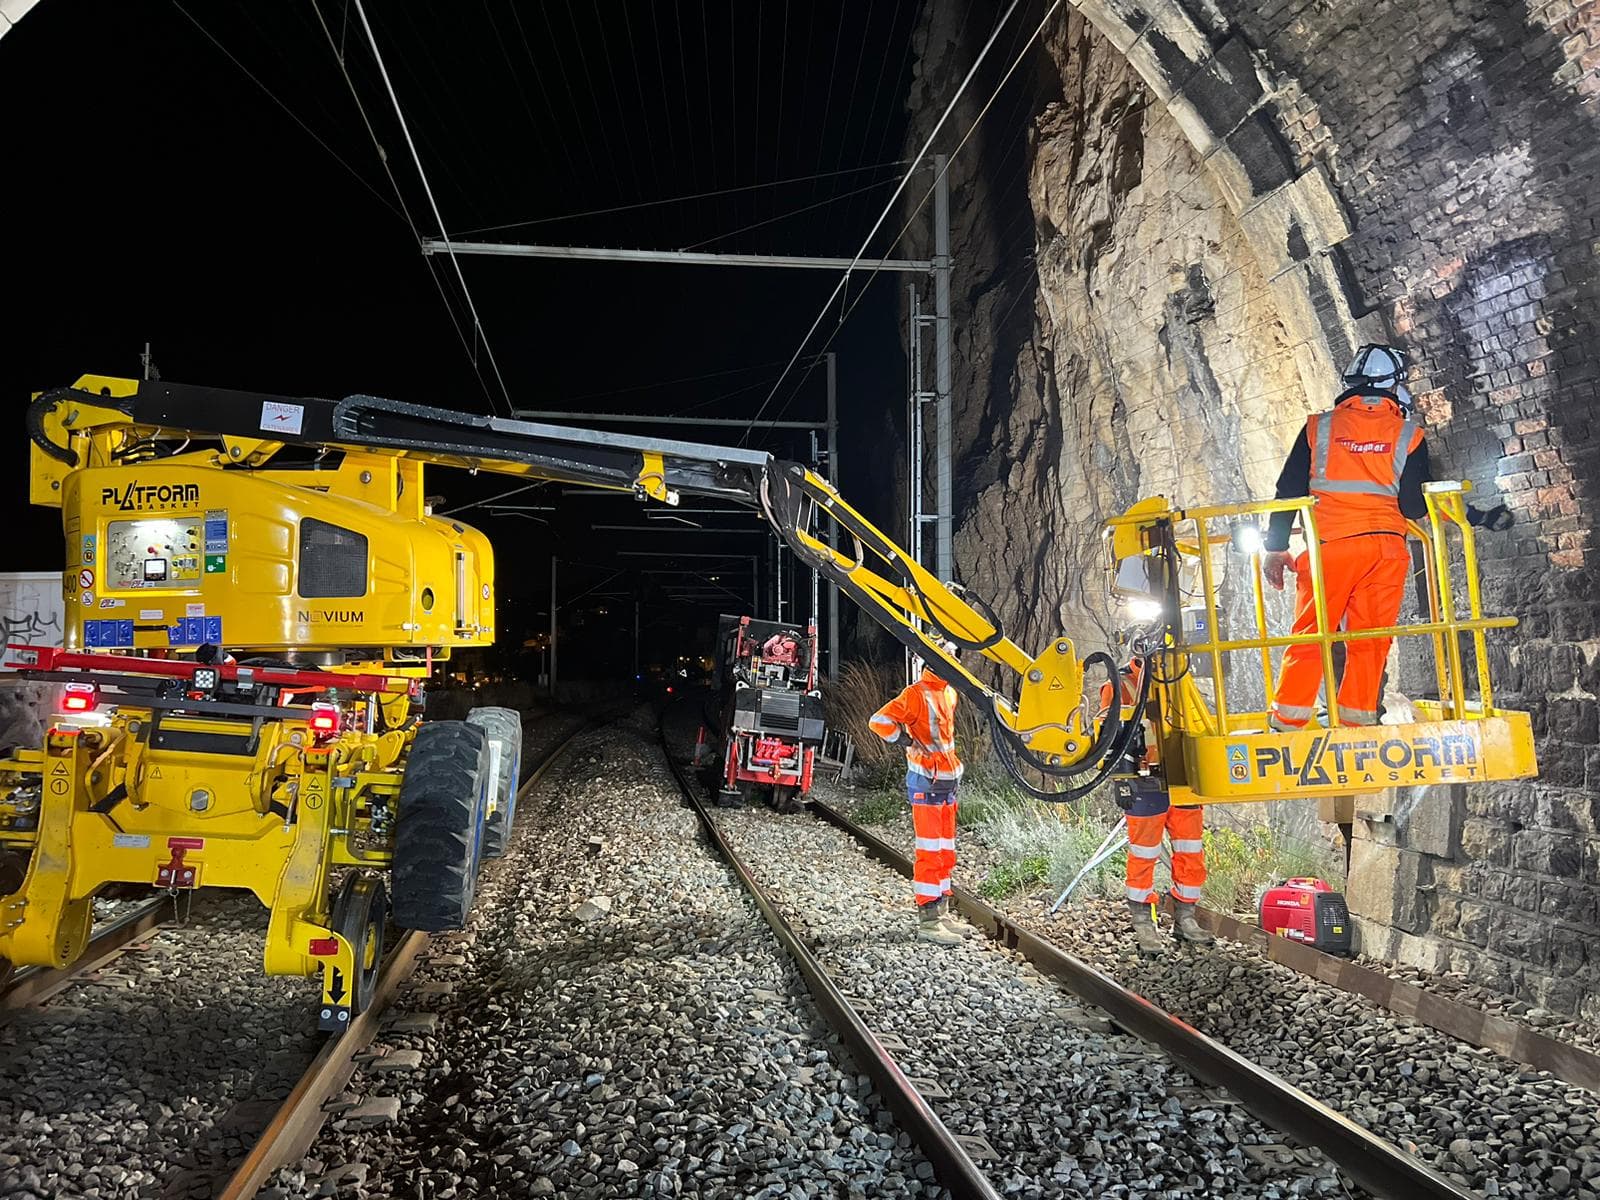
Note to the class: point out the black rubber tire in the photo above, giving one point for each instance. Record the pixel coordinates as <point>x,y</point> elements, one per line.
<point>360,912</point>
<point>439,828</point>
<point>503,728</point>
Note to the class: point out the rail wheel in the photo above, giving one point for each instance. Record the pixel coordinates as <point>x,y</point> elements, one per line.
<point>503,728</point>
<point>359,915</point>
<point>13,872</point>
<point>438,838</point>
<point>786,798</point>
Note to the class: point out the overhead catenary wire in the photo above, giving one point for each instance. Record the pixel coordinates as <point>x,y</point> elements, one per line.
<point>405,209</point>
<point>477,324</point>
<point>888,208</point>
<point>950,159</point>
<point>289,112</point>
<point>683,199</point>
<point>539,130</point>
<point>793,212</point>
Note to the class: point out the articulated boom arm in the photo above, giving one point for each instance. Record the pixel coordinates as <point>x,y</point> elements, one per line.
<point>105,422</point>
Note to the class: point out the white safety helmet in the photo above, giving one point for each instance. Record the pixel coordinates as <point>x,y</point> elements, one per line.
<point>1382,369</point>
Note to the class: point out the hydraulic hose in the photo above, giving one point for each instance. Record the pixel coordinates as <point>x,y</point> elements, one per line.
<point>1121,733</point>
<point>1110,730</point>
<point>978,602</point>
<point>46,401</point>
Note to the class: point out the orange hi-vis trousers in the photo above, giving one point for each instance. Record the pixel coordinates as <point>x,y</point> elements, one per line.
<point>1364,583</point>
<point>1186,827</point>
<point>933,819</point>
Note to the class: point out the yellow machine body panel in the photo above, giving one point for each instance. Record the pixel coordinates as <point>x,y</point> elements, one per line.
<point>1353,760</point>
<point>185,803</point>
<point>177,553</point>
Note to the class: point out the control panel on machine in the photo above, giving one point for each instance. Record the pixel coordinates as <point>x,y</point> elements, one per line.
<point>153,552</point>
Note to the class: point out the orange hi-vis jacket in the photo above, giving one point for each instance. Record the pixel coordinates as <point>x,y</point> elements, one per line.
<point>927,712</point>
<point>1358,453</point>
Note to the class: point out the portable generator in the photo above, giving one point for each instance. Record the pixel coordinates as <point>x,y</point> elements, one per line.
<point>1309,911</point>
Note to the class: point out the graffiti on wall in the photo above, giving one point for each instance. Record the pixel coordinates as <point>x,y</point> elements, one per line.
<point>31,627</point>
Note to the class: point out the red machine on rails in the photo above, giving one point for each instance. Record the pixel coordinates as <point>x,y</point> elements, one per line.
<point>769,721</point>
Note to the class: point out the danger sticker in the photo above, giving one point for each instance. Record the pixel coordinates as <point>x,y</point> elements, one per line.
<point>86,578</point>
<point>278,417</point>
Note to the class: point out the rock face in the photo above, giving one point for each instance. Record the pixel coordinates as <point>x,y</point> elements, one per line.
<point>1221,200</point>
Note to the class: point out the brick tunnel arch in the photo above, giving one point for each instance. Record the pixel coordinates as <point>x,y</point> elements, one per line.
<point>1305,177</point>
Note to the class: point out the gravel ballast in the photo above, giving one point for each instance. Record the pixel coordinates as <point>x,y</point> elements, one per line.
<point>1484,1121</point>
<point>153,1077</point>
<point>1071,1107</point>
<point>617,1022</point>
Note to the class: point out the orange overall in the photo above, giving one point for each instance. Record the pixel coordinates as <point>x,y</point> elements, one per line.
<point>926,711</point>
<point>1150,817</point>
<point>1358,452</point>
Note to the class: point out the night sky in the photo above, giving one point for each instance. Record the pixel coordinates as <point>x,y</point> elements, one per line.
<point>245,226</point>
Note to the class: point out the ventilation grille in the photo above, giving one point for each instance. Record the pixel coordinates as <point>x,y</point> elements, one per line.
<point>333,561</point>
<point>780,710</point>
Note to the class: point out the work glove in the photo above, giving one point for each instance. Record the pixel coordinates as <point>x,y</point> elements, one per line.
<point>1273,565</point>
<point>1495,519</point>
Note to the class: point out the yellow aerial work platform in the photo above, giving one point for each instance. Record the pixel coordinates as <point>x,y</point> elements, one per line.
<point>1211,753</point>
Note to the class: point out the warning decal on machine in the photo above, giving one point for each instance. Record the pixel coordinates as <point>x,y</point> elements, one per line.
<point>278,417</point>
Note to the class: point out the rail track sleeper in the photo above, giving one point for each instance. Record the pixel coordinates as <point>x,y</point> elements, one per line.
<point>1366,1159</point>
<point>1504,1036</point>
<point>294,1127</point>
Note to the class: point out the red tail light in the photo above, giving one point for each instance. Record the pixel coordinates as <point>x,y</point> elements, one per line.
<point>324,719</point>
<point>79,697</point>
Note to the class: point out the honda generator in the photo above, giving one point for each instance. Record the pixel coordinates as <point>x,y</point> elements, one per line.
<point>1309,911</point>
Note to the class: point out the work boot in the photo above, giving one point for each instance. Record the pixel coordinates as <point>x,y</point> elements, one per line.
<point>931,927</point>
<point>952,921</point>
<point>1188,926</point>
<point>1146,936</point>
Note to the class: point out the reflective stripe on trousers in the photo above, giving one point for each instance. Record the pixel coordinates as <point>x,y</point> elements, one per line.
<point>935,858</point>
<point>1185,827</point>
<point>1364,580</point>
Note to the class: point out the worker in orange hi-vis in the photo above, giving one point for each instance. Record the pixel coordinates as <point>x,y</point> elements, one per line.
<point>1365,462</point>
<point>1149,814</point>
<point>924,716</point>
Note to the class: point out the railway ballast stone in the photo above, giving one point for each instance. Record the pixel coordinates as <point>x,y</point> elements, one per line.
<point>665,1048</point>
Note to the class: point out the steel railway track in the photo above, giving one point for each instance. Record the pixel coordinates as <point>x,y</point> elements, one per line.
<point>34,985</point>
<point>1372,1163</point>
<point>298,1119</point>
